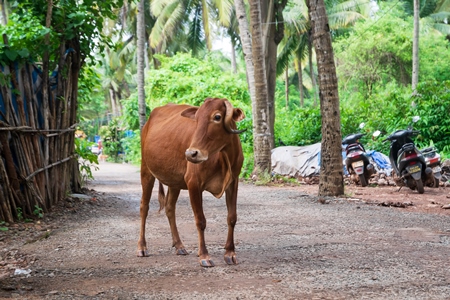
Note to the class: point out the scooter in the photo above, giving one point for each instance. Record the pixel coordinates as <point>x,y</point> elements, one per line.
<point>433,160</point>
<point>357,162</point>
<point>408,161</point>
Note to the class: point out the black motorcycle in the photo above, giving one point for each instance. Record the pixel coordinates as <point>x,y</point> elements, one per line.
<point>408,161</point>
<point>357,162</point>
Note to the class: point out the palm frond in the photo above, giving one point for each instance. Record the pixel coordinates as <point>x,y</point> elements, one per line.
<point>343,19</point>
<point>443,28</point>
<point>286,54</point>
<point>166,22</point>
<point>225,9</point>
<point>205,20</point>
<point>157,6</point>
<point>443,5</point>
<point>195,32</point>
<point>302,50</point>
<point>296,13</point>
<point>443,16</point>
<point>364,7</point>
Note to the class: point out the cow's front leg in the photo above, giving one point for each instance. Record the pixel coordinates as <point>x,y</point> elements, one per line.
<point>172,197</point>
<point>231,199</point>
<point>195,195</point>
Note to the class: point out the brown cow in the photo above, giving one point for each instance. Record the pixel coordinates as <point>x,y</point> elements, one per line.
<point>193,148</point>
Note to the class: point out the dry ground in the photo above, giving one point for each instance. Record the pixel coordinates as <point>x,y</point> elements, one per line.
<point>290,243</point>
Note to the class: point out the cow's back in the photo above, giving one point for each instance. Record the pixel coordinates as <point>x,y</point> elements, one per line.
<point>165,138</point>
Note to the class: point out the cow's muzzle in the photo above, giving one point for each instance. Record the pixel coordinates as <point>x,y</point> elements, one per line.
<point>195,156</point>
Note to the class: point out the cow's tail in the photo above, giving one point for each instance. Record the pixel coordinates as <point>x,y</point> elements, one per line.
<point>161,197</point>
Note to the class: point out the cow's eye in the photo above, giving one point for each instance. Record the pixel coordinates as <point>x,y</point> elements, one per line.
<point>217,117</point>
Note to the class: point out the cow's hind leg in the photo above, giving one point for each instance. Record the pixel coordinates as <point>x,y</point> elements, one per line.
<point>147,182</point>
<point>171,201</point>
<point>231,198</point>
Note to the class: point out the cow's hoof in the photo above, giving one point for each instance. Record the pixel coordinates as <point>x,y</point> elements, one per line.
<point>182,251</point>
<point>231,260</point>
<point>143,253</point>
<point>207,263</point>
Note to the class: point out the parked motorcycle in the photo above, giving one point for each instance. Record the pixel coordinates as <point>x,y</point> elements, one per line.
<point>433,160</point>
<point>408,162</point>
<point>357,162</point>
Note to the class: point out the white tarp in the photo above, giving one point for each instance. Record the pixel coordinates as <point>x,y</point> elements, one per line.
<point>296,161</point>
<point>305,161</point>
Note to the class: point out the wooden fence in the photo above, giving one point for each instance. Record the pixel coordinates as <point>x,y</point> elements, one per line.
<point>38,164</point>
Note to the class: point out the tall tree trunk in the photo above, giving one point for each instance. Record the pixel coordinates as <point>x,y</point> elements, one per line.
<point>45,95</point>
<point>286,87</point>
<point>233,57</point>
<point>112,96</point>
<point>311,68</point>
<point>262,135</point>
<point>331,170</point>
<point>273,33</point>
<point>246,41</point>
<point>141,62</point>
<point>415,58</point>
<point>298,67</point>
<point>3,7</point>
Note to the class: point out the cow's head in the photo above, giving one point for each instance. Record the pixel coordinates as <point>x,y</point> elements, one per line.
<point>216,126</point>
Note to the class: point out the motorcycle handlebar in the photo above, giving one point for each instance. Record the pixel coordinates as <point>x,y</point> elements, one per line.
<point>408,132</point>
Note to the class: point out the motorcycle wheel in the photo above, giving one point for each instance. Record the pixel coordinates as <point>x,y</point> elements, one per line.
<point>436,183</point>
<point>363,180</point>
<point>419,186</point>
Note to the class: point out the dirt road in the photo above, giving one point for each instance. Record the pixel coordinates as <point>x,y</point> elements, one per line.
<point>290,245</point>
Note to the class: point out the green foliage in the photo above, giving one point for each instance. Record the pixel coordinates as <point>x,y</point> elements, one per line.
<point>434,51</point>
<point>184,79</point>
<point>3,226</point>
<point>112,135</point>
<point>25,39</point>
<point>298,126</point>
<point>132,147</point>
<point>130,108</point>
<point>72,20</point>
<point>432,104</point>
<point>86,158</point>
<point>19,214</point>
<point>38,211</point>
<point>377,51</point>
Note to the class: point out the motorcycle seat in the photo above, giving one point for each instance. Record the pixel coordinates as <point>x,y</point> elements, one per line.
<point>408,147</point>
<point>429,149</point>
<point>354,147</point>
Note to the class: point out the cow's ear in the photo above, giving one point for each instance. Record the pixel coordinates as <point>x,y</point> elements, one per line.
<point>238,114</point>
<point>189,112</point>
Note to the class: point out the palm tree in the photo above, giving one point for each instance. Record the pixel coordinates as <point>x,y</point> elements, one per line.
<point>331,175</point>
<point>262,135</point>
<point>188,18</point>
<point>298,46</point>
<point>435,15</point>
<point>116,68</point>
<point>246,41</point>
<point>141,62</point>
<point>415,56</point>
